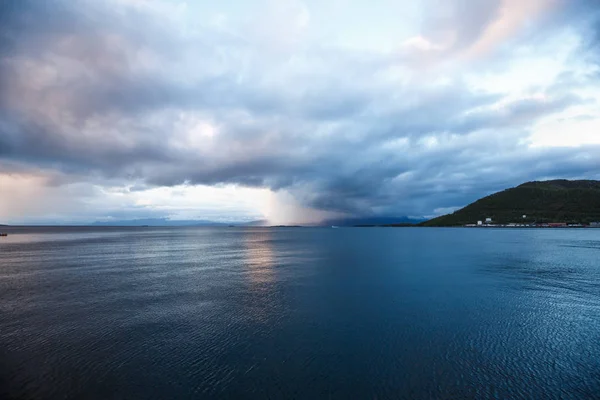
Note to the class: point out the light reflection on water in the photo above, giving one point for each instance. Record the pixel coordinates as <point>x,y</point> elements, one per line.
<point>259,257</point>
<point>262,301</point>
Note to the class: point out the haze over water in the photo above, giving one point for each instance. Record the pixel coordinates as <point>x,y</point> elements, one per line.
<point>299,313</point>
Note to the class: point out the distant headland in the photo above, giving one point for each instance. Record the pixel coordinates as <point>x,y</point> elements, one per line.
<point>554,203</point>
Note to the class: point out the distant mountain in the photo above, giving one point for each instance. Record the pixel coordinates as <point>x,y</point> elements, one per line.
<point>367,221</point>
<point>159,222</point>
<point>540,201</point>
<point>260,222</point>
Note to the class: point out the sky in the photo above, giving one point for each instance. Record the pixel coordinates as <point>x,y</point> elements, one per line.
<point>288,110</point>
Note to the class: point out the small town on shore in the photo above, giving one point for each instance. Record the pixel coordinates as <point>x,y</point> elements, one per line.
<point>489,223</point>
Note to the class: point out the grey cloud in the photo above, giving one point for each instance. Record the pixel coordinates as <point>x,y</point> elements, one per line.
<point>458,180</point>
<point>328,137</point>
<point>518,113</point>
<point>464,19</point>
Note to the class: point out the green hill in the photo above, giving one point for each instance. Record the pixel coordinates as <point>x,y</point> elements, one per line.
<point>545,201</point>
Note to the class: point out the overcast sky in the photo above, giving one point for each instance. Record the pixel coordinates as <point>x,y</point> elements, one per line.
<point>290,110</point>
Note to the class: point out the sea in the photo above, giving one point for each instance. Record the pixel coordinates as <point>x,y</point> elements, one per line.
<point>299,313</point>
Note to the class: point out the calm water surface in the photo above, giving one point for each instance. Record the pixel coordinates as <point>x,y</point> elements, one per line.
<point>299,313</point>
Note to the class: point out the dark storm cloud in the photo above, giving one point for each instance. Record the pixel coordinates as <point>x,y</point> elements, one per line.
<point>104,89</point>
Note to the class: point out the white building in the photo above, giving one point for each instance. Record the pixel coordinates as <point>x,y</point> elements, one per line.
<point>479,223</point>
<point>488,220</point>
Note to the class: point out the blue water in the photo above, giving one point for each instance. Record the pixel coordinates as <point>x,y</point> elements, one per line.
<point>299,313</point>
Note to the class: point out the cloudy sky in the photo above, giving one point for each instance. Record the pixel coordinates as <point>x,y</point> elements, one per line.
<point>290,110</point>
